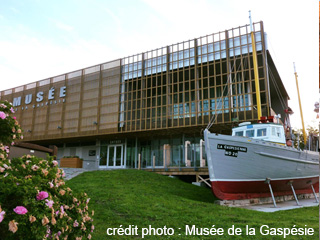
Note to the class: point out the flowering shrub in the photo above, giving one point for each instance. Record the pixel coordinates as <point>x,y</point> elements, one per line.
<point>9,127</point>
<point>35,203</point>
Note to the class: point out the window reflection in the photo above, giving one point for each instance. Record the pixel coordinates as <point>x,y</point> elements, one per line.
<point>186,84</point>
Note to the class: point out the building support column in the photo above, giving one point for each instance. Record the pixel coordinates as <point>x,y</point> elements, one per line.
<point>183,151</point>
<point>98,149</point>
<point>136,153</point>
<point>125,154</point>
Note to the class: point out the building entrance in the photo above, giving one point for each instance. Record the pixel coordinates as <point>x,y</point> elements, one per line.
<point>115,156</point>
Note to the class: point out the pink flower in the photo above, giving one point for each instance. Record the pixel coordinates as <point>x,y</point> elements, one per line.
<point>14,118</point>
<point>12,110</point>
<point>51,184</point>
<point>20,210</point>
<point>62,210</point>
<point>75,224</point>
<point>13,226</point>
<point>42,195</point>
<point>49,203</point>
<point>2,115</point>
<point>55,163</point>
<point>34,167</point>
<point>2,215</point>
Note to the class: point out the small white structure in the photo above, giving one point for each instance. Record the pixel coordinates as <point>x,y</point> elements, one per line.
<point>271,132</point>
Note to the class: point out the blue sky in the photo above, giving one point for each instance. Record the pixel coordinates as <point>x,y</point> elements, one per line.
<point>41,39</point>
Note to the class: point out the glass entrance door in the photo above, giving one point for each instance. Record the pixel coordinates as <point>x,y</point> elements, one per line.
<point>115,156</point>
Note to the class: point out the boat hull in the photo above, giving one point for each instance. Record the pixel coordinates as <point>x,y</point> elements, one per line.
<point>239,167</point>
<point>236,190</point>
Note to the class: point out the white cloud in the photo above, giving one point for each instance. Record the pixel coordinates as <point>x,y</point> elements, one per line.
<point>115,18</point>
<point>33,59</point>
<point>61,25</point>
<point>15,10</point>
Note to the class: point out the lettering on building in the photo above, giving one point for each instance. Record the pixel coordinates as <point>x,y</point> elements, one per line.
<point>40,100</point>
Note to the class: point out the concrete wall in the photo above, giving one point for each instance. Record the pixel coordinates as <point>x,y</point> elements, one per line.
<point>19,152</point>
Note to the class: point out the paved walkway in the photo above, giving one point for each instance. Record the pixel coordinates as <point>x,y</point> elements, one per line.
<point>72,172</point>
<point>284,205</point>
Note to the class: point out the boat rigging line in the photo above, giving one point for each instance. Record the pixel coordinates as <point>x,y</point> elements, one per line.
<point>214,117</point>
<point>256,78</point>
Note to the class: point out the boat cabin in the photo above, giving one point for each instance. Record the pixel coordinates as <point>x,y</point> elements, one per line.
<point>271,132</point>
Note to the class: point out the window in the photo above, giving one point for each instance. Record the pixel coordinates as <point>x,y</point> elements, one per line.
<point>239,133</point>
<point>261,132</point>
<point>250,133</point>
<point>275,131</point>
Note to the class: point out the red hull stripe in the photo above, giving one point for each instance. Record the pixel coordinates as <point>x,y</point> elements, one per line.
<point>236,190</point>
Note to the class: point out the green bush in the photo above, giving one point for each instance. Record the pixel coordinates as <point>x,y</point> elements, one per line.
<point>34,200</point>
<point>37,203</point>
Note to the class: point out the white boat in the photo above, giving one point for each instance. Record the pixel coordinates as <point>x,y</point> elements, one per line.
<point>255,162</point>
<point>243,165</point>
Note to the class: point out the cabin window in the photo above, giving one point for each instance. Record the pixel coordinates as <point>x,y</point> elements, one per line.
<point>250,133</point>
<point>239,133</point>
<point>261,132</point>
<point>275,131</point>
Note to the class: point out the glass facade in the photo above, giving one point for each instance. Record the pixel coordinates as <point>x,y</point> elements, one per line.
<point>188,83</point>
<point>164,152</point>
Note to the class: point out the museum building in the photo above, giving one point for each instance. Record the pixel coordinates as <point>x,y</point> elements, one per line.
<point>149,110</point>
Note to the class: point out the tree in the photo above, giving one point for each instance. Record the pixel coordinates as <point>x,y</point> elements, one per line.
<point>312,134</point>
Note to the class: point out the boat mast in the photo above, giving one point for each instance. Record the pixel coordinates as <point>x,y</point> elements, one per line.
<point>303,128</point>
<point>255,66</point>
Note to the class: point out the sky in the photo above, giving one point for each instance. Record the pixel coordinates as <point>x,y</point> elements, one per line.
<point>41,39</point>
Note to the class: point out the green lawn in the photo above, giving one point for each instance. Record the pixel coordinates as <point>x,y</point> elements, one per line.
<point>123,198</point>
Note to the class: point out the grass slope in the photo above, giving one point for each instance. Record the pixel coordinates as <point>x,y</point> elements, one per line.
<point>132,197</point>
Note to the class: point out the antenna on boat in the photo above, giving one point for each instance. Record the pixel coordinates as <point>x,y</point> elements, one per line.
<point>255,66</point>
<point>301,114</point>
